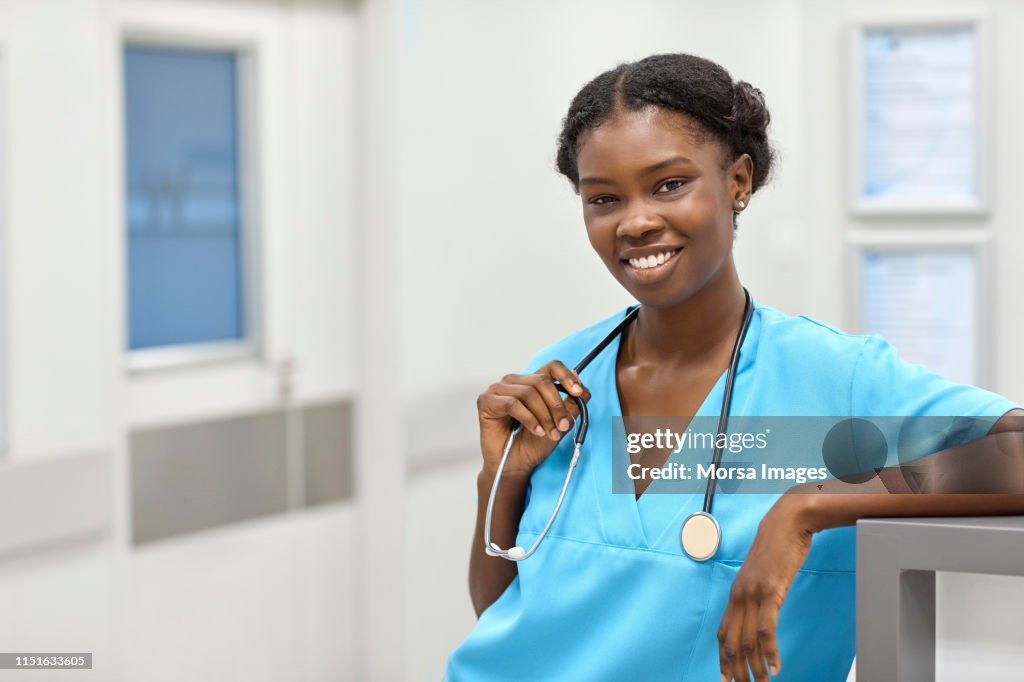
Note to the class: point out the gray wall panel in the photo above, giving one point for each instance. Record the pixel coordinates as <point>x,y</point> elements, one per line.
<point>328,433</point>
<point>187,478</point>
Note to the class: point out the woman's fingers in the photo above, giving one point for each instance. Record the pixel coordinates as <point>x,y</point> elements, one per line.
<point>750,644</point>
<point>568,378</point>
<point>561,420</point>
<point>747,640</point>
<point>570,381</point>
<point>730,652</point>
<point>561,411</point>
<point>724,663</point>
<point>767,618</point>
<point>496,405</point>
<point>534,401</point>
<point>531,395</point>
<point>561,408</point>
<point>552,415</point>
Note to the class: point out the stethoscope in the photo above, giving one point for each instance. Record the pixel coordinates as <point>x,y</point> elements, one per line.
<point>701,534</point>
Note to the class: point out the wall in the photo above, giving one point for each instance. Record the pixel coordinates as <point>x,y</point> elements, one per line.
<point>268,600</point>
<point>484,88</point>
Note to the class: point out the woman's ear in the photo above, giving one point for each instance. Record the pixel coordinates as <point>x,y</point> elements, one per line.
<point>741,176</point>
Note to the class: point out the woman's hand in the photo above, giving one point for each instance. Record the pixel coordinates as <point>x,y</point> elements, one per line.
<point>746,636</point>
<point>533,401</point>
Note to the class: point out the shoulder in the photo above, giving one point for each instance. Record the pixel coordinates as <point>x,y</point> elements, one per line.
<point>819,358</point>
<point>802,335</point>
<point>866,368</point>
<point>805,365</point>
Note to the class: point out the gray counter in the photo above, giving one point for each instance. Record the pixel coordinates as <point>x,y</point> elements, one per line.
<point>896,564</point>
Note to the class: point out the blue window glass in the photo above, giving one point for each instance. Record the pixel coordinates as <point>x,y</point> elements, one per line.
<point>184,231</point>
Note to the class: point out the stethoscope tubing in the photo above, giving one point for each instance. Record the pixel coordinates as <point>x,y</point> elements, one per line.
<point>492,548</point>
<point>583,424</point>
<point>723,419</point>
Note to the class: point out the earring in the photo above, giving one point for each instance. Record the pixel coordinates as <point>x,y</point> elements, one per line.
<point>742,204</point>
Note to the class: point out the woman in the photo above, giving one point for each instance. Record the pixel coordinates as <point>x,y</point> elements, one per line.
<point>665,153</point>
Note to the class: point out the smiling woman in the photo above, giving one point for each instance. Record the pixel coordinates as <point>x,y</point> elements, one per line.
<point>665,153</point>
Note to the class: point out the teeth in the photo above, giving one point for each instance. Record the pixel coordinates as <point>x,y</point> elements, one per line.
<point>650,261</point>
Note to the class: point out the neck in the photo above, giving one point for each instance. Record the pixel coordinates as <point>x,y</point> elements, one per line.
<point>693,331</point>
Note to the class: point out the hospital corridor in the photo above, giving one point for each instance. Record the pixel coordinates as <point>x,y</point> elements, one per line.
<point>312,369</point>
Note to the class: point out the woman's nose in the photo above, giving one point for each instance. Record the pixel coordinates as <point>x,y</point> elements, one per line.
<point>639,221</point>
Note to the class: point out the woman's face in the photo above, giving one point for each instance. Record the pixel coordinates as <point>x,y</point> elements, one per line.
<point>658,204</point>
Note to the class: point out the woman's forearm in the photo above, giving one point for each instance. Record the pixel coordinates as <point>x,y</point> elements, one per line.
<point>820,512</point>
<point>489,575</point>
<point>984,477</point>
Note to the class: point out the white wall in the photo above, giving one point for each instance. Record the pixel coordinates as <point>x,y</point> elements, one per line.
<point>494,254</point>
<point>59,253</point>
<point>380,481</point>
<point>267,600</point>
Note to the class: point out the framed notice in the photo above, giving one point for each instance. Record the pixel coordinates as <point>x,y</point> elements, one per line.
<point>927,299</point>
<point>919,104</point>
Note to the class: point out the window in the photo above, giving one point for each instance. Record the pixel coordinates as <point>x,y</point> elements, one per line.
<point>184,199</point>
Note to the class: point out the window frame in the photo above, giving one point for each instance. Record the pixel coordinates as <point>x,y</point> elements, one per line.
<point>251,346</point>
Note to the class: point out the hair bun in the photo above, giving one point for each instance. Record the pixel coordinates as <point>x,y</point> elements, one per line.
<point>749,111</point>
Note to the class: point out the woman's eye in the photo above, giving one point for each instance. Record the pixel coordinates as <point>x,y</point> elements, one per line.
<point>601,200</point>
<point>670,185</point>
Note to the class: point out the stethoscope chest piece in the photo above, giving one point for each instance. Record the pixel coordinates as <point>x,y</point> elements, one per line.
<point>701,536</point>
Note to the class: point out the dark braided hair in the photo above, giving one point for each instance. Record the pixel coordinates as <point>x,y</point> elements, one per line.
<point>734,114</point>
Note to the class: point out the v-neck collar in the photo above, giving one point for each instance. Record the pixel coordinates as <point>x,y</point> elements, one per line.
<point>648,520</point>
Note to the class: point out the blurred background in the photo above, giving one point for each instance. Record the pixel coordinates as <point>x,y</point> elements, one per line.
<point>259,257</point>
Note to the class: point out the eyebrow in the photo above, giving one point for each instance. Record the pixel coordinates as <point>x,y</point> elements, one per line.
<point>650,169</point>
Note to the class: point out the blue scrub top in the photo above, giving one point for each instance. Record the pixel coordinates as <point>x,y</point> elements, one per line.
<point>609,594</point>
